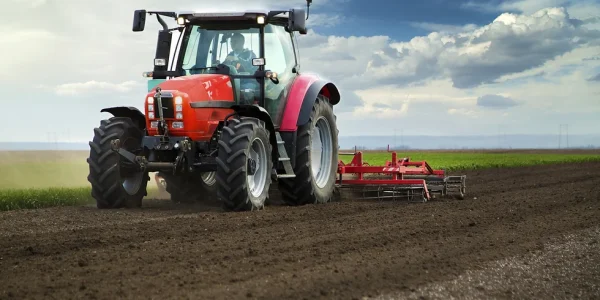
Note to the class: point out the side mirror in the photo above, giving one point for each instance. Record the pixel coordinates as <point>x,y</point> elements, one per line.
<point>260,61</point>
<point>297,21</point>
<point>139,20</point>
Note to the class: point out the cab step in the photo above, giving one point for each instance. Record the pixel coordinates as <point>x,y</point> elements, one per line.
<point>284,159</point>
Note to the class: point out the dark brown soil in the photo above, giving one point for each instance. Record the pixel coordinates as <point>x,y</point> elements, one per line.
<point>341,250</point>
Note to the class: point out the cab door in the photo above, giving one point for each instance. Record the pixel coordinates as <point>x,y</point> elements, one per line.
<point>280,57</point>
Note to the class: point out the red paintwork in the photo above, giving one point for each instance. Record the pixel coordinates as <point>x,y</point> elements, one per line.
<point>199,123</point>
<point>295,99</point>
<point>398,168</point>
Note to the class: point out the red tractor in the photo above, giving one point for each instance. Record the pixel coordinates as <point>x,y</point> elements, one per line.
<point>227,112</point>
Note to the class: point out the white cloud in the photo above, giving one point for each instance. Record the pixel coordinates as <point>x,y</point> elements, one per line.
<point>29,3</point>
<point>497,102</point>
<point>26,51</point>
<point>531,6</point>
<point>522,6</point>
<point>578,9</point>
<point>378,112</point>
<point>77,89</point>
<point>463,112</point>
<point>81,40</point>
<point>428,85</point>
<point>443,28</point>
<point>510,44</point>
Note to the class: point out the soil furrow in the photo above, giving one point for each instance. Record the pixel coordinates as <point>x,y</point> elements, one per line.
<point>340,250</point>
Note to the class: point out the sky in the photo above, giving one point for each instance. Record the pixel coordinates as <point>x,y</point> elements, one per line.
<point>428,67</point>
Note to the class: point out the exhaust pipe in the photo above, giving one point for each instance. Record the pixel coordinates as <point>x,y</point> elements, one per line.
<point>162,125</point>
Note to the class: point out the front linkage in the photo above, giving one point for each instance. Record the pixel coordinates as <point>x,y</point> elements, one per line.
<point>183,162</point>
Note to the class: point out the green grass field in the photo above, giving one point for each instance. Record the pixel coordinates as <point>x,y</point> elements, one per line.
<point>452,161</point>
<point>36,179</point>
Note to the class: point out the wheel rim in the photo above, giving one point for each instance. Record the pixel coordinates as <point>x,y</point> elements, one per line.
<point>321,147</point>
<point>131,184</point>
<point>209,178</point>
<point>257,181</point>
<point>131,180</point>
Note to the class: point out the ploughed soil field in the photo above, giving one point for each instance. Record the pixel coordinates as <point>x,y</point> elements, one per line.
<point>522,233</point>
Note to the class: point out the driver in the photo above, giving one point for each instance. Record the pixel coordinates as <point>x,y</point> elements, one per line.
<point>240,57</point>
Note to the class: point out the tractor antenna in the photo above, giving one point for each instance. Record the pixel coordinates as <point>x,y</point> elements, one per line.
<point>308,2</point>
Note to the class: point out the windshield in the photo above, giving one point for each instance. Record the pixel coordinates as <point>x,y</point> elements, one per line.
<point>209,47</point>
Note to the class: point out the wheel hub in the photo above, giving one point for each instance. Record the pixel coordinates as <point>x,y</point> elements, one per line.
<point>252,167</point>
<point>257,168</point>
<point>131,176</point>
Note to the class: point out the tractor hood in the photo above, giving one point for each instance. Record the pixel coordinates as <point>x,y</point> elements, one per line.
<point>202,87</point>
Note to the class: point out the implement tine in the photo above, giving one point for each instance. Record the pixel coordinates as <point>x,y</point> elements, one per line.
<point>388,192</point>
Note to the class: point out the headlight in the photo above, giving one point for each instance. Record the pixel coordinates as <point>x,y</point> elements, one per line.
<point>150,107</point>
<point>179,115</point>
<point>150,115</point>
<point>178,100</point>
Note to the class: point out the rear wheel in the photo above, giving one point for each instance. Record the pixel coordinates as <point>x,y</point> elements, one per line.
<point>316,158</point>
<point>116,183</point>
<point>244,165</point>
<point>194,188</point>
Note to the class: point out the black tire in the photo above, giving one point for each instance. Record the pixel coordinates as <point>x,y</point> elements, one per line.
<point>106,176</point>
<point>190,188</point>
<point>303,189</point>
<point>233,187</point>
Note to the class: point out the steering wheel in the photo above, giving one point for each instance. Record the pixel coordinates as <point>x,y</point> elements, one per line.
<point>233,62</point>
<point>232,69</point>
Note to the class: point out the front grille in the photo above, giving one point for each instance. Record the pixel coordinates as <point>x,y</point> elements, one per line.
<point>168,108</point>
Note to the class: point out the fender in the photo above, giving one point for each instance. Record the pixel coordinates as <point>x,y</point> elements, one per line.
<point>302,97</point>
<point>127,112</point>
<point>328,89</point>
<point>260,113</point>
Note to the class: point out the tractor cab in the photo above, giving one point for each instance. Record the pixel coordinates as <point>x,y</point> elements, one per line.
<point>256,49</point>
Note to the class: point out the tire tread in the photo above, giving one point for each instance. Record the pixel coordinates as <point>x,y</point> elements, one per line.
<point>103,165</point>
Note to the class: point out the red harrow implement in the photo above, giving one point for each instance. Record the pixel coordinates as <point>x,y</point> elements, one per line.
<point>398,178</point>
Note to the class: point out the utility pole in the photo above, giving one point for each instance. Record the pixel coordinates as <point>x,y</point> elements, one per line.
<point>402,137</point>
<point>567,128</point>
<point>395,145</point>
<point>560,133</point>
<point>499,137</point>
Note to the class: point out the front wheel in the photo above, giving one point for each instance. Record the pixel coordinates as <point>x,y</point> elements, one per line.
<point>244,165</point>
<point>116,183</point>
<point>316,158</point>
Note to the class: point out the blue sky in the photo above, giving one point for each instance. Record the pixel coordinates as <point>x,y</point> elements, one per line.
<point>399,19</point>
<point>428,67</point>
